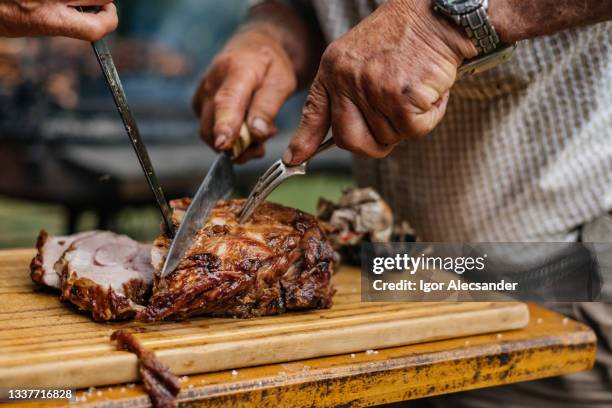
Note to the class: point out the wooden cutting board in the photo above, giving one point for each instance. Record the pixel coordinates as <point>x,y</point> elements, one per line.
<point>46,343</point>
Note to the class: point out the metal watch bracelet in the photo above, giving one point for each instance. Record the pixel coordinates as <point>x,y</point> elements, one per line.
<point>480,30</point>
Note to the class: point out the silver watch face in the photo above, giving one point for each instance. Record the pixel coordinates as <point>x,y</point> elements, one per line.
<point>459,6</point>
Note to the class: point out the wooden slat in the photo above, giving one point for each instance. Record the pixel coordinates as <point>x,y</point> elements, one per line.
<point>550,345</point>
<point>48,344</point>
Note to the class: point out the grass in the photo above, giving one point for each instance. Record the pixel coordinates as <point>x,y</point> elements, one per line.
<point>21,220</point>
<point>304,192</point>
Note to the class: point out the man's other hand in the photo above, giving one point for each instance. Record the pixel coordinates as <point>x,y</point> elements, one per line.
<point>386,80</point>
<point>249,79</point>
<point>21,18</point>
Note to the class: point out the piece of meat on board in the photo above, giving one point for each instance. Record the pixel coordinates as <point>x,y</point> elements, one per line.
<point>50,249</point>
<point>107,274</point>
<point>161,384</point>
<point>277,261</point>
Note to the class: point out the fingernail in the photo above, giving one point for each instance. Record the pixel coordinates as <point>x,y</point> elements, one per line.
<point>261,126</point>
<point>287,156</point>
<point>220,141</point>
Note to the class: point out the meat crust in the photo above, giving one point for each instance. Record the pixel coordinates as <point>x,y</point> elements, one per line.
<point>37,269</point>
<point>279,260</point>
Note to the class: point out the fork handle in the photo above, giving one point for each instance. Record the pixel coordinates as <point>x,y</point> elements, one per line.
<point>325,145</point>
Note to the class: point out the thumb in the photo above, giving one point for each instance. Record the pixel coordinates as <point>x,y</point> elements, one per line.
<point>313,127</point>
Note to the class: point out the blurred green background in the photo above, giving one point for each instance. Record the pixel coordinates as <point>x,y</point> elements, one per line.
<point>20,220</point>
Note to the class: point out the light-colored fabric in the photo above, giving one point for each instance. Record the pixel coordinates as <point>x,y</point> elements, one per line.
<point>586,389</point>
<point>524,152</point>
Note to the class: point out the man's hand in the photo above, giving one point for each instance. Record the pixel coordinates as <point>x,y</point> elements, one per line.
<point>259,68</point>
<point>250,79</point>
<point>386,80</point>
<point>20,18</point>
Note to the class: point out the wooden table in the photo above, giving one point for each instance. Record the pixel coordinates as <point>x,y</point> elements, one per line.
<point>550,345</point>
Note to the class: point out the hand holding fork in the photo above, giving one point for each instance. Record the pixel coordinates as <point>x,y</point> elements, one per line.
<point>273,177</point>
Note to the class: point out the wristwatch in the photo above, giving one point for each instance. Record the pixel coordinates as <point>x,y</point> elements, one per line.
<point>472,16</point>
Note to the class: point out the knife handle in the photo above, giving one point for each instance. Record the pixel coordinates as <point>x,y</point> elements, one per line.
<point>243,142</point>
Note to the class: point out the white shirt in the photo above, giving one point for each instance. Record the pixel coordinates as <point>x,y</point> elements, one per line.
<point>524,152</point>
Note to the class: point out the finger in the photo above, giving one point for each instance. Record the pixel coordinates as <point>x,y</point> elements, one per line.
<point>420,99</point>
<point>230,104</point>
<point>198,97</point>
<point>209,83</point>
<point>415,125</point>
<point>207,121</point>
<point>422,124</point>
<point>375,106</point>
<point>254,151</point>
<point>380,126</point>
<point>267,102</point>
<point>351,131</point>
<point>87,26</point>
<point>313,126</point>
<point>202,103</point>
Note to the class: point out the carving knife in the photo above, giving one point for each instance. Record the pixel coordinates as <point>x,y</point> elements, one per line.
<point>107,65</point>
<point>114,84</point>
<point>217,185</point>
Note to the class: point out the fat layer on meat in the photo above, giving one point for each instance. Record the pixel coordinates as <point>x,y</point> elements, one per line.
<point>279,260</point>
<point>50,250</point>
<point>107,274</point>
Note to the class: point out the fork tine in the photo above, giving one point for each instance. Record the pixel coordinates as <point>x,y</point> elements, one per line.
<point>261,196</point>
<point>271,187</point>
<point>271,178</point>
<point>273,184</point>
<point>262,179</point>
<point>275,166</point>
<point>248,209</point>
<point>262,184</point>
<point>245,212</point>
<point>247,205</point>
<point>263,190</point>
<point>275,175</point>
<point>253,199</point>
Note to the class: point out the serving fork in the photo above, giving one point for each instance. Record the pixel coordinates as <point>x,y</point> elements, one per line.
<point>273,177</point>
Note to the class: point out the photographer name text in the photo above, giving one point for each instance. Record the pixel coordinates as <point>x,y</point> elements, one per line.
<point>452,285</point>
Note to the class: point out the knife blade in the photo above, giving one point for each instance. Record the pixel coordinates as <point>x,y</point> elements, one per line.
<point>217,185</point>
<point>105,60</point>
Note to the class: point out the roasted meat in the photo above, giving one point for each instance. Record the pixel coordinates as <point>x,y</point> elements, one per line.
<point>279,260</point>
<point>107,274</point>
<point>50,250</point>
<point>161,384</point>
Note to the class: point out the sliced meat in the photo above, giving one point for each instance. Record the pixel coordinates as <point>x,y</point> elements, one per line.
<point>108,274</point>
<point>279,260</point>
<point>161,384</point>
<point>50,250</point>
